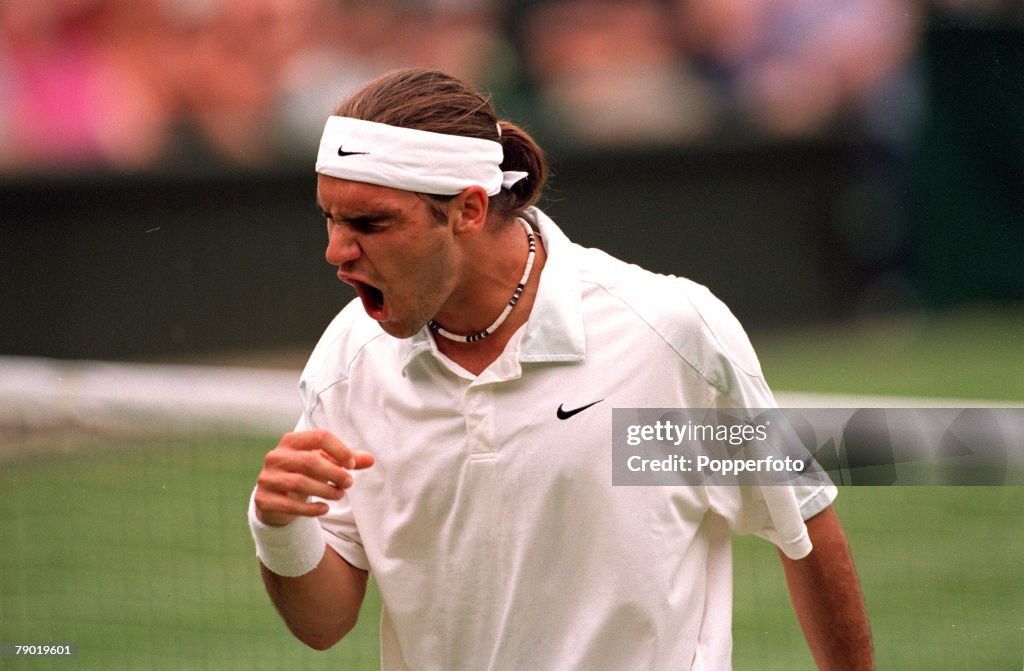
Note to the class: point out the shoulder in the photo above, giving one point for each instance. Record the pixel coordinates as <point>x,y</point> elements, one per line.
<point>698,326</point>
<point>342,342</point>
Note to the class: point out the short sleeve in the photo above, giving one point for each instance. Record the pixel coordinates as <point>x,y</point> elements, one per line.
<point>775,513</point>
<point>342,534</point>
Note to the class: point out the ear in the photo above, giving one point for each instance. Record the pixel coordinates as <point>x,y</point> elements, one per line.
<point>467,211</point>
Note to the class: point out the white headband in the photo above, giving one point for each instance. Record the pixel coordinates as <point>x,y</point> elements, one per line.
<point>409,159</point>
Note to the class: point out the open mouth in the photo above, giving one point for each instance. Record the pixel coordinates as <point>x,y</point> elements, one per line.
<point>372,299</point>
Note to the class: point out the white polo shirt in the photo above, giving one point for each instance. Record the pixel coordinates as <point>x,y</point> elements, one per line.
<point>491,525</point>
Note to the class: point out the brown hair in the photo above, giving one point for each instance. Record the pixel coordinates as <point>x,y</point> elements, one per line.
<point>435,101</point>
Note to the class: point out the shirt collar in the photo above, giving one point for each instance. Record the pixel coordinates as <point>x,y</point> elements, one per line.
<point>554,331</point>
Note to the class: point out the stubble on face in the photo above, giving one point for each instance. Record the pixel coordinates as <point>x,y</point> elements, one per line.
<point>407,265</point>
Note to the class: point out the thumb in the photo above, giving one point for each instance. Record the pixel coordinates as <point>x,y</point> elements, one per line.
<point>362,459</point>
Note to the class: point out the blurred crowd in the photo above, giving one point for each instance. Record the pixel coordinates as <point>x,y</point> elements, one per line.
<point>153,84</point>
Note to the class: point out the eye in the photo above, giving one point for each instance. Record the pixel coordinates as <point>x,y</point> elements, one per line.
<point>368,224</point>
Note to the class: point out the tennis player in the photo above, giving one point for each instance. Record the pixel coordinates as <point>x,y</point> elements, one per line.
<point>456,434</point>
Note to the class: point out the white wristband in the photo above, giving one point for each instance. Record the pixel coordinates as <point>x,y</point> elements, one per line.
<point>290,550</point>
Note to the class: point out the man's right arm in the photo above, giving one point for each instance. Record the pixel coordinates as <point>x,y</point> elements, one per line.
<point>319,604</point>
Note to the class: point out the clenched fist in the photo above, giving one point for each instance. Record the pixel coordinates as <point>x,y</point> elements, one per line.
<point>304,464</point>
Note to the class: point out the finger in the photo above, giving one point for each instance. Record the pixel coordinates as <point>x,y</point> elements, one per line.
<point>321,440</point>
<point>302,486</point>
<point>309,440</point>
<point>317,465</point>
<point>362,460</point>
<point>357,461</point>
<point>273,508</point>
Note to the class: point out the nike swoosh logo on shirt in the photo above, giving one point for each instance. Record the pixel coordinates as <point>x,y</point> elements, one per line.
<point>566,414</point>
<point>342,152</point>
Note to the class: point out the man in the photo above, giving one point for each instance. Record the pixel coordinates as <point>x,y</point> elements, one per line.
<point>457,427</point>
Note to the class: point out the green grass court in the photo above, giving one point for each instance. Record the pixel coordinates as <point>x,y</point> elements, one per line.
<point>965,354</point>
<point>140,553</point>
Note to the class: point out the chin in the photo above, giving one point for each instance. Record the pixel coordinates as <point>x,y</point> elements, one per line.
<point>401,331</point>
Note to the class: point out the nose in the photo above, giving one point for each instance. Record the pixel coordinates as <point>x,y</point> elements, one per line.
<point>342,245</point>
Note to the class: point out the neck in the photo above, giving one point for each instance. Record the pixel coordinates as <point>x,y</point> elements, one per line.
<point>485,294</point>
<point>517,292</point>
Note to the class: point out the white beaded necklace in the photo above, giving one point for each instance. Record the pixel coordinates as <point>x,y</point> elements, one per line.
<point>437,328</point>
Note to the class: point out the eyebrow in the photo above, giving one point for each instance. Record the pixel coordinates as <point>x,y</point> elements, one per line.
<point>362,208</point>
<point>358,215</point>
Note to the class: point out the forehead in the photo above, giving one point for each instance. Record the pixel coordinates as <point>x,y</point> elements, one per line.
<point>334,194</point>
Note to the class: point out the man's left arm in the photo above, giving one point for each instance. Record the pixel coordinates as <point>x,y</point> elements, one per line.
<point>827,598</point>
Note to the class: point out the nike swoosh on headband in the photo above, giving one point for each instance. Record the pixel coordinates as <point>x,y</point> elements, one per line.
<point>342,152</point>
